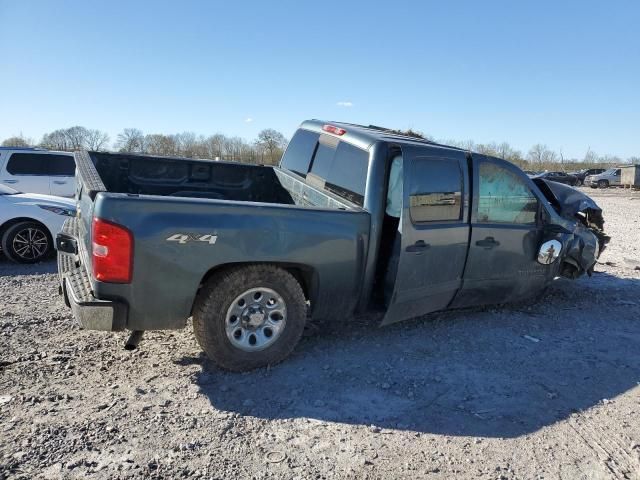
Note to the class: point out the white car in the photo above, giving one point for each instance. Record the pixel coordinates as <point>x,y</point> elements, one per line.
<point>29,223</point>
<point>35,170</point>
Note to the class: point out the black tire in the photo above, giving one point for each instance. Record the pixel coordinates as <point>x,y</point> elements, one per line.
<point>603,183</point>
<point>215,301</point>
<point>38,246</point>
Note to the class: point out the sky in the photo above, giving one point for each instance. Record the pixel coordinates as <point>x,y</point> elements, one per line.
<point>566,74</point>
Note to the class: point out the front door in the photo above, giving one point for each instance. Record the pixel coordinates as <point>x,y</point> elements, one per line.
<point>434,233</point>
<point>506,233</point>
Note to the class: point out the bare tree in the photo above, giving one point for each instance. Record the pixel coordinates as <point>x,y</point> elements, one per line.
<point>56,140</point>
<point>215,146</point>
<point>17,141</point>
<point>96,140</point>
<point>273,143</point>
<point>130,140</point>
<point>540,154</point>
<point>76,137</point>
<point>590,156</point>
<point>160,144</point>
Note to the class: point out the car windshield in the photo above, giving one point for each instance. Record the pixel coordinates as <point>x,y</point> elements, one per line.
<point>4,190</point>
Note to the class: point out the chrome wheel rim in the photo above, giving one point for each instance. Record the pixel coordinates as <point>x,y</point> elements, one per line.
<point>30,244</point>
<point>256,319</point>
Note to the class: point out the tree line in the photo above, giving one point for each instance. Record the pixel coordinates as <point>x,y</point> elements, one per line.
<point>266,149</point>
<point>269,145</point>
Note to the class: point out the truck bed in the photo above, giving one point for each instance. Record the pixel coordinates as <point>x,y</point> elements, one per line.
<point>256,214</point>
<point>194,178</point>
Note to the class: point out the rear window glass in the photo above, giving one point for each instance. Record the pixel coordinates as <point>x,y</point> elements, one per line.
<point>323,160</point>
<point>27,164</point>
<point>61,165</point>
<point>348,175</point>
<point>298,156</point>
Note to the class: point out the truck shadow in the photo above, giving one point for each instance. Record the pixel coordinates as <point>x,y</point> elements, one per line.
<point>499,372</point>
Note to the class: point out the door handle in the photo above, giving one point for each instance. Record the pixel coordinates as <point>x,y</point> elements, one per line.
<point>488,243</point>
<point>418,247</point>
<point>60,182</point>
<point>10,181</point>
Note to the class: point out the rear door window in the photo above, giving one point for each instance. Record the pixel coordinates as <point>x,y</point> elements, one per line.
<point>62,165</point>
<point>435,190</point>
<point>27,164</point>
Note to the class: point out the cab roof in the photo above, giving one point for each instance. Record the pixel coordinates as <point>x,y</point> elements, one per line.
<point>365,136</point>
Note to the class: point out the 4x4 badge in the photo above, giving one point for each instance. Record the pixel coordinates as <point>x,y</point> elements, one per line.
<point>183,238</point>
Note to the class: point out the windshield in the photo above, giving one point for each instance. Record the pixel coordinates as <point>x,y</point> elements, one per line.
<point>4,190</point>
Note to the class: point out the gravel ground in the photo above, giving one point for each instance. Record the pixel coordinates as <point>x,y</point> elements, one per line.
<point>545,390</point>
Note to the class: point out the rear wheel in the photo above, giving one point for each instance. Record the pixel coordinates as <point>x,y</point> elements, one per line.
<point>27,242</point>
<point>249,317</point>
<point>603,183</point>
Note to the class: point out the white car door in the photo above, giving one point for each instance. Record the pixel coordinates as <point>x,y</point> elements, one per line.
<point>26,171</point>
<point>62,170</point>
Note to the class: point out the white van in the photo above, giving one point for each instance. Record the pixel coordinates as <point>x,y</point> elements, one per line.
<point>35,170</point>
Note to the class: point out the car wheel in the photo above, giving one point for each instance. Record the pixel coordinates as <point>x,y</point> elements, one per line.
<point>603,183</point>
<point>27,242</point>
<point>249,317</point>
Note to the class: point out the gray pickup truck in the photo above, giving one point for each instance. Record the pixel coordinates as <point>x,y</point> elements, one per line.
<point>253,252</point>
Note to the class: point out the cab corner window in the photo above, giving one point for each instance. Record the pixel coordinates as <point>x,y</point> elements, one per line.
<point>504,197</point>
<point>435,190</point>
<point>298,155</point>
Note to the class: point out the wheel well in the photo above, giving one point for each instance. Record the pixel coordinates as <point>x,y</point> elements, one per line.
<point>9,223</point>
<point>304,274</point>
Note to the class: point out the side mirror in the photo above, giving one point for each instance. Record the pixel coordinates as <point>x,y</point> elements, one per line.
<point>549,251</point>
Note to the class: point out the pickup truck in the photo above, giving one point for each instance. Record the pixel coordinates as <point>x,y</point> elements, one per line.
<point>253,252</point>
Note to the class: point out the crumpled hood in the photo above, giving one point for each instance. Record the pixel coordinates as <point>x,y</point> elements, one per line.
<point>572,201</point>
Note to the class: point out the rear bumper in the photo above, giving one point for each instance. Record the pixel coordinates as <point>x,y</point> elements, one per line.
<point>91,313</point>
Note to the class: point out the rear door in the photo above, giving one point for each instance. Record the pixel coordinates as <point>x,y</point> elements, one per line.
<point>506,233</point>
<point>62,170</point>
<point>434,233</point>
<point>26,172</point>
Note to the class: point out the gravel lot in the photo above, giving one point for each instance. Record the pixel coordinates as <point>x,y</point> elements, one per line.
<point>545,390</point>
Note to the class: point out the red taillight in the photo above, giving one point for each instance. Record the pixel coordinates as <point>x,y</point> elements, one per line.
<point>333,129</point>
<point>112,252</point>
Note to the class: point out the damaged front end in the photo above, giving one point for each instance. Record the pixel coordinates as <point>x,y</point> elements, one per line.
<point>582,230</point>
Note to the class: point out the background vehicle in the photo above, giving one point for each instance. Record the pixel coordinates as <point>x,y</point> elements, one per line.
<point>29,223</point>
<point>34,170</point>
<point>585,172</point>
<point>560,177</point>
<point>608,178</point>
<point>244,248</point>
